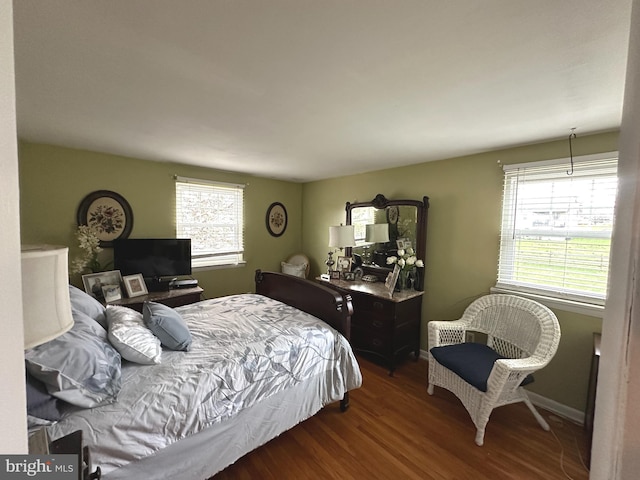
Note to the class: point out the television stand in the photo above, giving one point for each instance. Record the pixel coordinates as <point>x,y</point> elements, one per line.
<point>171,298</point>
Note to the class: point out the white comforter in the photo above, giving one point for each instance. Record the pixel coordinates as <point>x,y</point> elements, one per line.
<point>246,348</point>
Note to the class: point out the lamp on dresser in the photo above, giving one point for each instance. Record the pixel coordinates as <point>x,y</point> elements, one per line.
<point>45,294</point>
<point>340,236</point>
<point>375,233</point>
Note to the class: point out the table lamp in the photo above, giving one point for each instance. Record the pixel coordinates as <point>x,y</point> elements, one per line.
<point>340,236</point>
<point>46,303</point>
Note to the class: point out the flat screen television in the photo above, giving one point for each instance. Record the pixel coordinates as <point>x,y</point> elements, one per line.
<point>154,258</point>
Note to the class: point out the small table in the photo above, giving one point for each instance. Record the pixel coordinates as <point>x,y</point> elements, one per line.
<point>172,298</point>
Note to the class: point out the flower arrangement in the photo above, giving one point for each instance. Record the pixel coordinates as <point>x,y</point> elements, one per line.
<point>89,243</point>
<point>407,261</point>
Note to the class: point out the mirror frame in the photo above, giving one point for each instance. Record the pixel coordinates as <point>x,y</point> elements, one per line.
<point>381,202</point>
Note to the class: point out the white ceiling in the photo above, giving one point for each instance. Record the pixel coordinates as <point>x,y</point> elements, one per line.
<point>309,89</point>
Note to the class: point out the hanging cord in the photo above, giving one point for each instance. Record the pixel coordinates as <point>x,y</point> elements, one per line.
<point>571,136</point>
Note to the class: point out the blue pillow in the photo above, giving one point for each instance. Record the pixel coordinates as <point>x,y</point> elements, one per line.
<point>80,366</point>
<point>167,325</point>
<point>472,362</point>
<point>40,403</point>
<point>85,303</point>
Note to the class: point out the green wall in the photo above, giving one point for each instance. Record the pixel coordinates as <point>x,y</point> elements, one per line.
<point>465,196</point>
<point>53,181</point>
<point>462,234</point>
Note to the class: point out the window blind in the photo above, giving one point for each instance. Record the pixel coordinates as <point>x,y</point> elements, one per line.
<point>211,214</point>
<point>556,228</point>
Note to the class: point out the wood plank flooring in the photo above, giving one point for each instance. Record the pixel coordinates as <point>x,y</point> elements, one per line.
<point>395,430</point>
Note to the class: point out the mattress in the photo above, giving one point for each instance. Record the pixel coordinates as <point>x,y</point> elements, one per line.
<point>256,367</point>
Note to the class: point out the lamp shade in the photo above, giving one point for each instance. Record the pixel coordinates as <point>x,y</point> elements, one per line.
<point>377,233</point>
<point>342,236</point>
<point>46,304</point>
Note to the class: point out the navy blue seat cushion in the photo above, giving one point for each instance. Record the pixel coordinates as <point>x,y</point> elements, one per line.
<point>472,362</point>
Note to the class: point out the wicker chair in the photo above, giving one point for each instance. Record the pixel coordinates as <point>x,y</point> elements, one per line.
<point>522,337</point>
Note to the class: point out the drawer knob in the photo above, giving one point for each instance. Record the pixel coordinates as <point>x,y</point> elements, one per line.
<point>377,342</point>
<point>378,305</point>
<point>378,323</point>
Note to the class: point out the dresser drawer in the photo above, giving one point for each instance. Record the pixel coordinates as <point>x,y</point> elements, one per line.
<point>372,305</point>
<point>365,339</point>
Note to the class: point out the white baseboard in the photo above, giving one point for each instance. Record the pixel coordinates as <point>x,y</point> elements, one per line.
<point>572,414</point>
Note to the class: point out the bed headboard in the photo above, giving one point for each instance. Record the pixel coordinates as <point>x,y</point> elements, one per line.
<point>311,297</point>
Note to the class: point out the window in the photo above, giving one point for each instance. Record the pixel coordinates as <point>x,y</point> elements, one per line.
<point>556,228</point>
<point>211,215</point>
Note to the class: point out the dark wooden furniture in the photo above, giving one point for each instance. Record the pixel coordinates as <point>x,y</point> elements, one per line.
<point>172,298</point>
<point>591,393</point>
<point>72,444</point>
<point>386,326</point>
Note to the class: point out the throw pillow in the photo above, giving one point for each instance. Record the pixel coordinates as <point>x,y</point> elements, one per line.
<point>167,325</point>
<point>130,336</point>
<point>80,366</point>
<point>293,269</point>
<point>85,303</point>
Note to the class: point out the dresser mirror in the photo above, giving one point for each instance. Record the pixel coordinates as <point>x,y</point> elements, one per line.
<point>406,221</point>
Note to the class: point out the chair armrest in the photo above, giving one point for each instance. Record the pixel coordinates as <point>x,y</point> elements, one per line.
<point>510,372</point>
<point>446,332</point>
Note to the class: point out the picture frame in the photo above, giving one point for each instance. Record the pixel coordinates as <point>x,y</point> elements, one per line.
<point>93,282</point>
<point>344,264</point>
<point>108,214</point>
<point>276,219</point>
<point>135,285</point>
<point>349,276</point>
<point>392,279</point>
<point>403,243</point>
<point>335,274</point>
<point>111,293</point>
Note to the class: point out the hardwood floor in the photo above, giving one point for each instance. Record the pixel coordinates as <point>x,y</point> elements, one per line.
<point>394,430</point>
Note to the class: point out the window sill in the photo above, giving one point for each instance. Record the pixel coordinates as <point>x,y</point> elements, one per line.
<point>582,308</point>
<point>203,268</point>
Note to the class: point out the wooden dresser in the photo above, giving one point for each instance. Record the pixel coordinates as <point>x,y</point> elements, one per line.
<point>385,326</point>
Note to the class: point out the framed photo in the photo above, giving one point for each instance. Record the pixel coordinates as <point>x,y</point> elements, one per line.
<point>350,276</point>
<point>111,293</point>
<point>276,219</point>
<point>403,243</point>
<point>134,285</point>
<point>108,213</point>
<point>344,264</point>
<point>93,282</point>
<point>335,274</point>
<point>392,279</point>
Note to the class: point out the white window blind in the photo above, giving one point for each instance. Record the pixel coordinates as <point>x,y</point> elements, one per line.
<point>556,227</point>
<point>211,214</point>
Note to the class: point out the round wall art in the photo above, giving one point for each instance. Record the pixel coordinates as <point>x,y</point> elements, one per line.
<point>108,214</point>
<point>276,219</point>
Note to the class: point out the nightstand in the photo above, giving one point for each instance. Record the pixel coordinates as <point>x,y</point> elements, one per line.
<point>72,444</point>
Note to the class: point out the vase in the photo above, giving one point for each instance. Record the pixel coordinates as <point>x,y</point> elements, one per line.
<point>406,280</point>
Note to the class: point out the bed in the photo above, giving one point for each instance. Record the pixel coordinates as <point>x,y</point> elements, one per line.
<point>257,365</point>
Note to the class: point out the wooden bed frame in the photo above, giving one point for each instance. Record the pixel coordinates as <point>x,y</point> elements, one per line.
<point>310,297</point>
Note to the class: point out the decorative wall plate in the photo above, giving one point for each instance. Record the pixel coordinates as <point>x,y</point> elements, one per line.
<point>108,213</point>
<point>276,219</point>
<point>392,214</point>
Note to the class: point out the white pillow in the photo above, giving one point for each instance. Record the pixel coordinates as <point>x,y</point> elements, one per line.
<point>292,269</point>
<point>129,335</point>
